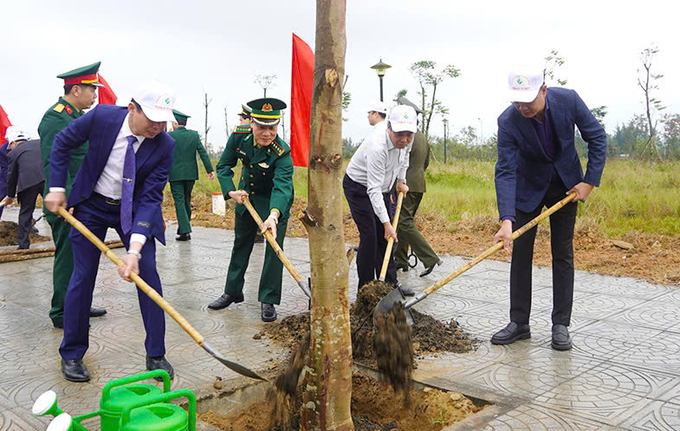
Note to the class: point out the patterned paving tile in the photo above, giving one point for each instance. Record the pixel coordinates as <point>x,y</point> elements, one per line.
<point>530,417</point>
<point>655,416</point>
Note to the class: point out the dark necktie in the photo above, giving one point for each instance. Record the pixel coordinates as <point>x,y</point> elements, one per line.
<point>128,185</point>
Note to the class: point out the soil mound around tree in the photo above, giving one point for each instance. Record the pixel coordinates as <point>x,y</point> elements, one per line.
<point>8,234</point>
<point>375,407</point>
<point>428,334</point>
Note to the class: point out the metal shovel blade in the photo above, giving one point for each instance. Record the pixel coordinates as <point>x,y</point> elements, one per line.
<point>385,305</point>
<point>237,368</point>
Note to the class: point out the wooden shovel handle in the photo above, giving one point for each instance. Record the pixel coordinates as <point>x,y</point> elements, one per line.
<point>390,242</point>
<point>516,234</point>
<point>271,240</point>
<point>150,292</point>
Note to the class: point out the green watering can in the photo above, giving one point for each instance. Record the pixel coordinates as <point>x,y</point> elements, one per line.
<point>127,407</point>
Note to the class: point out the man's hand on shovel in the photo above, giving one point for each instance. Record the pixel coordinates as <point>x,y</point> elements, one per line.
<point>270,224</point>
<point>130,262</point>
<point>582,191</point>
<point>55,200</point>
<point>504,234</point>
<point>238,195</point>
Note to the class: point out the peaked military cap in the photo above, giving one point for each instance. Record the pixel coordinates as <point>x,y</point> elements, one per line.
<point>266,111</point>
<point>83,75</point>
<point>180,116</point>
<point>245,111</point>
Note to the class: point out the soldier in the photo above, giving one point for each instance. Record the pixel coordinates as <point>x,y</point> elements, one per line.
<point>184,172</point>
<point>244,120</point>
<point>80,93</point>
<point>244,116</point>
<point>267,179</point>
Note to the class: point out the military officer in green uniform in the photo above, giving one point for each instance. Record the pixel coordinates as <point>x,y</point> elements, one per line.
<point>267,180</point>
<point>80,92</point>
<point>184,171</point>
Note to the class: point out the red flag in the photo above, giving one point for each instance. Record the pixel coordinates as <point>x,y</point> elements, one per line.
<point>106,94</point>
<point>301,101</point>
<point>4,124</point>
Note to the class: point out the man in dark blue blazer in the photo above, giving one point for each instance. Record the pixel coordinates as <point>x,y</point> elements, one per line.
<point>120,185</point>
<point>538,166</point>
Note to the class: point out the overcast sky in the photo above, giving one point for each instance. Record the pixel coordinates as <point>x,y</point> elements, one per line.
<point>220,46</point>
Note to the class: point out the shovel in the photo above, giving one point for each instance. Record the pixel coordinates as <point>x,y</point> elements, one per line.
<point>272,242</point>
<point>165,305</point>
<point>390,242</point>
<point>386,304</point>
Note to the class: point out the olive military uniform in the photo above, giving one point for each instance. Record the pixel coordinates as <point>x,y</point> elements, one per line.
<point>409,235</point>
<point>184,173</point>
<point>54,121</point>
<point>267,176</point>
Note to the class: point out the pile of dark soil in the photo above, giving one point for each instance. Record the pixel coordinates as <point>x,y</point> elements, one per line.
<point>373,409</point>
<point>8,234</point>
<point>393,348</point>
<point>428,334</point>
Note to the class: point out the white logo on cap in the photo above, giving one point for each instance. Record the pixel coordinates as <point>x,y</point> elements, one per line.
<point>520,82</point>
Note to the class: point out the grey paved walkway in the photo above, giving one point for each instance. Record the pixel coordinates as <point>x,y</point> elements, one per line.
<point>623,372</point>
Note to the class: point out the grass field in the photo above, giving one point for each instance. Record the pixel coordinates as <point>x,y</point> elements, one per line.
<point>634,197</point>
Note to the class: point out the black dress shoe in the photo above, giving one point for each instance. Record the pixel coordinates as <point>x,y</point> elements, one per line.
<point>430,269</point>
<point>59,324</point>
<point>224,301</point>
<point>560,338</point>
<point>268,312</point>
<point>34,229</point>
<point>159,363</point>
<point>97,312</point>
<point>404,290</point>
<point>74,370</point>
<point>183,237</point>
<point>511,333</point>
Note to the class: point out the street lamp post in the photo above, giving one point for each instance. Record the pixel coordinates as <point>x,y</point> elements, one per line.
<point>381,67</point>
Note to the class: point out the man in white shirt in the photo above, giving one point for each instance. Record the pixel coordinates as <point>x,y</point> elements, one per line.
<point>377,112</point>
<point>120,186</point>
<point>380,160</point>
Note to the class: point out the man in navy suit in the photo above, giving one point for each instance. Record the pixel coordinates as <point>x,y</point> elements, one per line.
<point>120,185</point>
<point>537,167</point>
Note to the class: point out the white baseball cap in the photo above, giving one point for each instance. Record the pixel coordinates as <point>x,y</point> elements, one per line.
<point>156,100</point>
<point>403,118</point>
<point>380,107</point>
<point>15,133</point>
<point>523,86</point>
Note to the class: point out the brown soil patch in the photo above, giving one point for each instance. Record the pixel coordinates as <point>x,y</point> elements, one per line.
<point>373,409</point>
<point>655,257</point>
<point>428,334</point>
<point>8,234</point>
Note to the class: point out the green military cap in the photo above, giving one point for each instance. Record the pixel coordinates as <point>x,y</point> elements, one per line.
<point>266,111</point>
<point>83,75</point>
<point>180,116</point>
<point>245,111</point>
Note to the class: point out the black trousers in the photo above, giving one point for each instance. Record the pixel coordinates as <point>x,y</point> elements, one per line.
<point>372,243</point>
<point>562,247</point>
<point>27,199</point>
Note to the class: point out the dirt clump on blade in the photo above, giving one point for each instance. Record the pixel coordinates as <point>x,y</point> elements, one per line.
<point>393,349</point>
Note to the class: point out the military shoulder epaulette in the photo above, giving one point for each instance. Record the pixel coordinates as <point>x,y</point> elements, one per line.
<point>58,108</point>
<point>278,149</point>
<point>242,129</point>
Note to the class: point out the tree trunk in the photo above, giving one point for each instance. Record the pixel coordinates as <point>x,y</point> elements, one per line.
<point>328,378</point>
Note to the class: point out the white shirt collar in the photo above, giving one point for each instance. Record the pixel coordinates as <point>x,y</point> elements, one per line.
<point>126,131</point>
